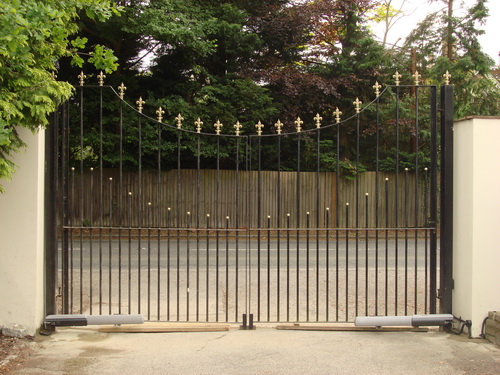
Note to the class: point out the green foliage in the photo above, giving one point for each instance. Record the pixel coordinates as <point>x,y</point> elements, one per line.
<point>33,36</point>
<point>476,90</point>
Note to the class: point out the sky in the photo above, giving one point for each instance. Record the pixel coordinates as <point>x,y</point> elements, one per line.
<point>418,9</point>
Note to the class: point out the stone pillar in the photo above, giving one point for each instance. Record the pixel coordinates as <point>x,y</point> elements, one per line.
<point>476,239</point>
<point>22,238</point>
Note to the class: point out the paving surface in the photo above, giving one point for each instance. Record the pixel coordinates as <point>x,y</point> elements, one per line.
<point>263,351</point>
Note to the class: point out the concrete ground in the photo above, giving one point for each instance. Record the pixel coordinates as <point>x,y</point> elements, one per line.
<point>263,351</point>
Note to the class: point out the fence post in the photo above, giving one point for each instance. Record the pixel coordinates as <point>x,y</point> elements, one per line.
<point>446,240</point>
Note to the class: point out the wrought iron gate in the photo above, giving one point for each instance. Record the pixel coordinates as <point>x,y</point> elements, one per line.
<point>275,224</point>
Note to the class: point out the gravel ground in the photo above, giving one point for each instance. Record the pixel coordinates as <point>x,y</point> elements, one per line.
<point>13,352</point>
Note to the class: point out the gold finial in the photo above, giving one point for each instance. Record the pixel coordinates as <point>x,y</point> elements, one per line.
<point>278,126</point>
<point>318,119</point>
<point>397,76</point>
<point>179,119</point>
<point>377,88</point>
<point>259,127</point>
<point>54,75</point>
<point>298,124</point>
<point>198,124</point>
<point>122,89</point>
<point>337,114</point>
<point>218,125</point>
<point>417,77</point>
<point>81,77</point>
<point>357,103</point>
<point>447,77</point>
<point>140,103</point>
<point>160,112</point>
<point>238,127</point>
<point>101,77</point>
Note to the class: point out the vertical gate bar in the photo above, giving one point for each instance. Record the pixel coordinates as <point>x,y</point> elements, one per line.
<point>377,177</point>
<point>110,241</point>
<point>248,254</point>
<point>416,224</point>
<point>237,198</point>
<point>129,294</point>
<point>433,204</point>
<point>188,261</point>
<point>91,249</point>
<point>198,194</point>
<point>426,250</point>
<point>287,267</point>
<point>81,197</point>
<point>149,260</point>
<point>177,231</point>
<point>101,197</point>
<point>406,213</point>
<point>357,210</point>
<point>366,253</point>
<point>446,240</point>
<point>72,260</point>
<point>259,224</point>
<point>227,269</point>
<point>50,216</point>
<point>268,268</point>
<point>169,223</point>
<point>298,225</point>
<point>65,243</point>
<point>120,211</point>
<point>178,234</point>
<point>217,233</point>
<point>386,299</point>
<point>318,193</point>
<point>347,262</point>
<point>327,290</point>
<point>337,224</point>
<point>207,288</point>
<point>139,215</point>
<point>159,215</point>
<point>396,211</point>
<point>308,228</point>
<point>278,219</point>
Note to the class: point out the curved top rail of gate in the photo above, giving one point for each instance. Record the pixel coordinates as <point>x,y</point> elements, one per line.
<point>298,122</point>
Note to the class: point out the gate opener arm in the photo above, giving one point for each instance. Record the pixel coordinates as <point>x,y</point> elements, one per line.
<point>69,320</point>
<point>415,320</point>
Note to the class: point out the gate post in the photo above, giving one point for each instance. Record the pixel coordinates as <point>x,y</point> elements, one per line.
<point>446,239</point>
<point>51,189</point>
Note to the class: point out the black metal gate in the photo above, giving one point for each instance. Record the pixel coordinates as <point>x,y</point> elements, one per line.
<point>200,222</point>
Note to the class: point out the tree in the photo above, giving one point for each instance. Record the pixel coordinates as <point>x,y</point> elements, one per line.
<point>33,36</point>
<point>444,42</point>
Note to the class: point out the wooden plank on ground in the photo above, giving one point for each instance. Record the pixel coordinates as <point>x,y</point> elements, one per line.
<point>165,327</point>
<point>343,328</point>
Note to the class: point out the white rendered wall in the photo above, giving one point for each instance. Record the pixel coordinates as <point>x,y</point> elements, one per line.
<point>476,232</point>
<point>21,238</point>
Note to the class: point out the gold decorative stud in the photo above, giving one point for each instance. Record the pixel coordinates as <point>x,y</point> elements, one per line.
<point>179,120</point>
<point>81,78</point>
<point>238,127</point>
<point>160,112</point>
<point>198,124</point>
<point>259,127</point>
<point>218,125</point>
<point>140,103</point>
<point>397,77</point>
<point>357,103</point>
<point>101,77</point>
<point>337,114</point>
<point>318,119</point>
<point>298,124</point>
<point>278,126</point>
<point>122,89</point>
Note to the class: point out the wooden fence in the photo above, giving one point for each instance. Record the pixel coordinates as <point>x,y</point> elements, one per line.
<point>164,200</point>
